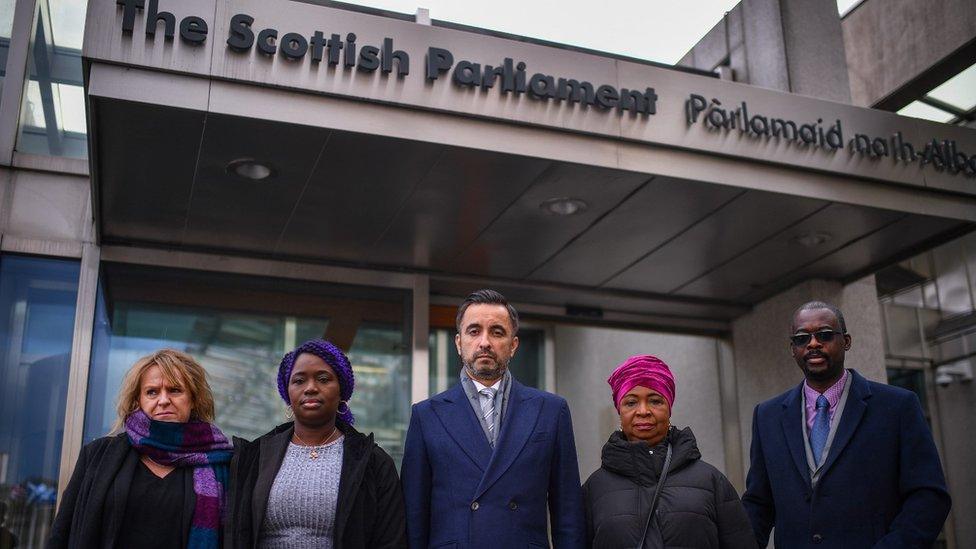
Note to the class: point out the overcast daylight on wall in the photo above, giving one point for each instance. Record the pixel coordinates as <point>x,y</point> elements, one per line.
<point>666,177</point>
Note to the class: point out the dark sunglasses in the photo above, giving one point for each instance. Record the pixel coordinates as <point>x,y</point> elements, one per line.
<point>823,336</point>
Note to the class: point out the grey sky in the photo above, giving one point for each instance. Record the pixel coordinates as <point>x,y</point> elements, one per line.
<point>658,30</point>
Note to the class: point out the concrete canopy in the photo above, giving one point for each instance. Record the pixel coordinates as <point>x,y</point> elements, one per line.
<point>683,227</point>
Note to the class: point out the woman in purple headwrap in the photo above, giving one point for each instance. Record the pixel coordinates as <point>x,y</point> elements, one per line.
<point>316,481</point>
<point>651,469</point>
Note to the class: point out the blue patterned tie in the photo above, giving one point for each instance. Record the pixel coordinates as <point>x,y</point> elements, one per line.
<point>821,428</point>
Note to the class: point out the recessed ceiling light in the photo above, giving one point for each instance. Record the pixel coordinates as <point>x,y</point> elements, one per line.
<point>812,239</point>
<point>248,168</point>
<point>563,206</point>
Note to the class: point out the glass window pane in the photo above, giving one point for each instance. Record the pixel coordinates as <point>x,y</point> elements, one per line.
<point>239,328</point>
<point>37,311</point>
<point>952,282</point>
<point>917,109</point>
<point>528,365</point>
<point>960,90</point>
<point>903,337</point>
<point>911,297</point>
<point>6,25</point>
<point>911,379</point>
<point>52,119</point>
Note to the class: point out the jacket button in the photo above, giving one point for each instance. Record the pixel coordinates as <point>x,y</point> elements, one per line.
<point>512,505</point>
<point>817,538</point>
<point>474,506</point>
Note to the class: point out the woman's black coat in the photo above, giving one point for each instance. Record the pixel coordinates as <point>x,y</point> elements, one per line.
<point>698,507</point>
<point>369,510</point>
<point>93,504</point>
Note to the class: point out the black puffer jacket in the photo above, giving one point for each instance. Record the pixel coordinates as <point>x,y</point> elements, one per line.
<point>698,507</point>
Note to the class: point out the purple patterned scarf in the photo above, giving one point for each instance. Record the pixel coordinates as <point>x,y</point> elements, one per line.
<point>194,444</point>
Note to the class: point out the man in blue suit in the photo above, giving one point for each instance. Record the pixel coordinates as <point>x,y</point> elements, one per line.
<point>487,458</point>
<point>840,461</point>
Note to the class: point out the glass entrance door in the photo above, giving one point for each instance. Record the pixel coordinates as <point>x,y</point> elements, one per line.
<point>238,328</point>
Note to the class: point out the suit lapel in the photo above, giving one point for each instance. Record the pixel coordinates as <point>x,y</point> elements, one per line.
<point>853,412</point>
<point>272,453</point>
<point>518,423</point>
<point>457,416</point>
<point>792,421</point>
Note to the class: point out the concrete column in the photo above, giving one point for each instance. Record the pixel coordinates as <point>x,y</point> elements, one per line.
<point>584,358</point>
<point>789,45</point>
<point>764,365</point>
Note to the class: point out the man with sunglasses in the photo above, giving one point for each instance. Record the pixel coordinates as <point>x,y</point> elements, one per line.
<point>840,460</point>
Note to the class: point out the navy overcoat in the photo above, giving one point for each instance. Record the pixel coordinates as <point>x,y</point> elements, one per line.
<point>460,494</point>
<point>882,483</point>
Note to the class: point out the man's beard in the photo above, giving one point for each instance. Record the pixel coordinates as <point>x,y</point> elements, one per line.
<point>485,373</point>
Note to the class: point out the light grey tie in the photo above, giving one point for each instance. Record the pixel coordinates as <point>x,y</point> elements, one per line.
<point>488,411</point>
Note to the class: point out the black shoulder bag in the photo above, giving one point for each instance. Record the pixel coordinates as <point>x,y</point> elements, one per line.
<point>657,492</point>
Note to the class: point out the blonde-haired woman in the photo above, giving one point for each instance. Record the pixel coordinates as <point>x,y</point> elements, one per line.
<point>160,481</point>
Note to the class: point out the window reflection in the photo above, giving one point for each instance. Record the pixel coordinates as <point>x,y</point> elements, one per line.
<point>239,328</point>
<point>52,119</point>
<point>37,310</point>
<point>528,365</point>
<point>6,25</point>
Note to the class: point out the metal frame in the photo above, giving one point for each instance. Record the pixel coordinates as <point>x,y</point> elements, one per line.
<point>16,73</point>
<point>420,366</point>
<point>728,386</point>
<point>74,414</point>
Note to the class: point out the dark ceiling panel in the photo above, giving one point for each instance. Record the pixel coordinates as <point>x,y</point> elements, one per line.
<point>781,254</point>
<point>228,211</point>
<point>526,234</point>
<point>866,253</point>
<point>606,302</point>
<point>357,188</point>
<point>461,195</point>
<point>145,158</point>
<point>659,211</point>
<point>729,232</point>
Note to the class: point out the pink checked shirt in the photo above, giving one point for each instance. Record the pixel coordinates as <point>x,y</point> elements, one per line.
<point>833,397</point>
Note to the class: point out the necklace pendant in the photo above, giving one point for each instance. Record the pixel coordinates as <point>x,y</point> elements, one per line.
<point>314,454</point>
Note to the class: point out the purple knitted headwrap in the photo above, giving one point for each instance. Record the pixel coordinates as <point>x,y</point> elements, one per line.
<point>334,357</point>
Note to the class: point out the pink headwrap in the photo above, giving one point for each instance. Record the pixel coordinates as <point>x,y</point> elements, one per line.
<point>646,371</point>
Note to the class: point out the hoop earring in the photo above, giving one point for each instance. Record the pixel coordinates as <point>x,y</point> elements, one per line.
<point>341,404</point>
<point>289,413</point>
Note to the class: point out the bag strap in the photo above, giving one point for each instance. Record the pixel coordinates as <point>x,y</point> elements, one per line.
<point>657,492</point>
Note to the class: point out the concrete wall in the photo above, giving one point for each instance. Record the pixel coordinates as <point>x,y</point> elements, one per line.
<point>44,213</point>
<point>764,365</point>
<point>794,46</point>
<point>891,42</point>
<point>584,358</point>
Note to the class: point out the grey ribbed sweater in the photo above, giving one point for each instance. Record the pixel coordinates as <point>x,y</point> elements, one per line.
<point>302,503</point>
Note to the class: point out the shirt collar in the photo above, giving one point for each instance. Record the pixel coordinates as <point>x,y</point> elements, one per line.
<point>832,393</point>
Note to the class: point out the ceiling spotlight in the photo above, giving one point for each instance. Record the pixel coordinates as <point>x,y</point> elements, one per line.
<point>563,206</point>
<point>812,239</point>
<point>248,168</point>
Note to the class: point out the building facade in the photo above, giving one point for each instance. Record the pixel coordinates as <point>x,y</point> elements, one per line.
<point>231,178</point>
<point>917,60</point>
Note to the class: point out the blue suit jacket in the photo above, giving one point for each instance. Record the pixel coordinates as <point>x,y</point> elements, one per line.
<point>458,493</point>
<point>881,486</point>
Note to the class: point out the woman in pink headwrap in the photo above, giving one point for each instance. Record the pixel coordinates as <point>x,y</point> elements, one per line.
<point>692,504</point>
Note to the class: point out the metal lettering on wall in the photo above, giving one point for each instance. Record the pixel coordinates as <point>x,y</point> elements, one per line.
<point>309,48</point>
<point>335,51</point>
<point>941,155</point>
